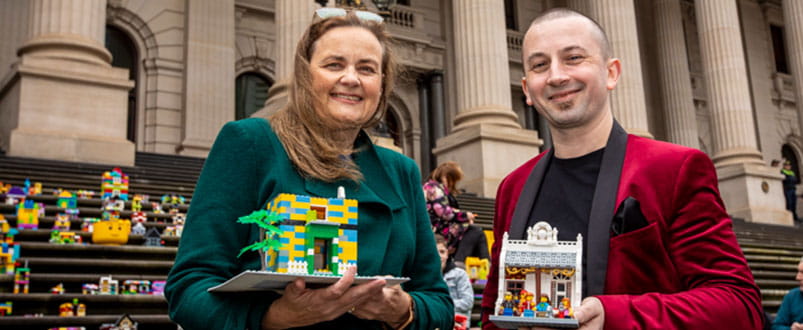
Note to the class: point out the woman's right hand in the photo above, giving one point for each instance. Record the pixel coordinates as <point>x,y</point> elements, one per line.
<point>301,306</point>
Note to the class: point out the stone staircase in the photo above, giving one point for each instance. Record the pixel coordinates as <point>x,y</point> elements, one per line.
<point>73,265</point>
<point>772,251</point>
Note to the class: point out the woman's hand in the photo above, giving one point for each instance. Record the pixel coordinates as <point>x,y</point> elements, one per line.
<point>301,306</point>
<point>391,306</point>
<point>590,315</point>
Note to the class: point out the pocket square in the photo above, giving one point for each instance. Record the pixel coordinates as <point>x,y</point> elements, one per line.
<point>628,217</point>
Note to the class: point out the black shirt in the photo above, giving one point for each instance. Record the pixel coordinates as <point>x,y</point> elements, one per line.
<point>564,200</point>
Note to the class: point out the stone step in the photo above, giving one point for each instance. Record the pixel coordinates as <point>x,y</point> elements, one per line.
<point>145,321</point>
<point>72,283</point>
<point>43,249</point>
<point>43,235</point>
<point>48,303</point>
<point>97,265</point>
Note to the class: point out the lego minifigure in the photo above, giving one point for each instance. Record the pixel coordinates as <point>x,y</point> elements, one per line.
<point>526,304</point>
<point>542,308</point>
<point>565,309</point>
<point>508,305</point>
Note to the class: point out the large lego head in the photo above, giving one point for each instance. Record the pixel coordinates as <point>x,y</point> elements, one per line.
<point>508,296</point>
<point>544,298</point>
<point>112,232</point>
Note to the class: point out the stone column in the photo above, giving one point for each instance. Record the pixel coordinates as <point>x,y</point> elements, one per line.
<point>64,100</point>
<point>793,28</point>
<point>423,117</point>
<point>437,111</point>
<point>292,19</point>
<point>208,87</point>
<point>673,65</point>
<point>749,189</point>
<point>485,129</point>
<point>618,18</point>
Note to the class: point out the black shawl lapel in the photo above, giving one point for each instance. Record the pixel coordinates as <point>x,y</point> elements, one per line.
<point>524,206</point>
<point>602,210</point>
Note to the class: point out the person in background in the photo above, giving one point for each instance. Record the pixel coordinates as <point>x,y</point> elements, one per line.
<point>444,213</point>
<point>456,279</point>
<point>790,182</point>
<point>659,248</point>
<point>790,315</point>
<point>344,73</point>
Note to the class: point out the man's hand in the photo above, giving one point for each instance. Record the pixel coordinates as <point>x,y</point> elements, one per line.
<point>797,326</point>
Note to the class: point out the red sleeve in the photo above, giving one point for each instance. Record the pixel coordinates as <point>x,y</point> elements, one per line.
<point>717,287</point>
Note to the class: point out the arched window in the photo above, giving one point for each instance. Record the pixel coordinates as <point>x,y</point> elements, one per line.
<point>251,93</point>
<point>388,127</point>
<point>124,55</point>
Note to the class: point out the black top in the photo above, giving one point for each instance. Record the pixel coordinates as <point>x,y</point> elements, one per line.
<point>564,200</point>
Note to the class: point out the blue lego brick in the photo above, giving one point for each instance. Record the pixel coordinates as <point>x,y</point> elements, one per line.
<point>336,214</point>
<point>283,204</point>
<point>335,202</point>
<point>283,259</point>
<point>350,236</point>
<point>300,247</point>
<point>353,209</point>
<point>284,240</point>
<point>302,199</point>
<point>299,259</point>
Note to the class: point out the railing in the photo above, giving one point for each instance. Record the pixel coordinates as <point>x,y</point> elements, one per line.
<point>406,17</point>
<point>514,40</point>
<point>783,85</point>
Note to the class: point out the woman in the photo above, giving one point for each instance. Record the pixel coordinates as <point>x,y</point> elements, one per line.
<point>343,75</point>
<point>445,217</point>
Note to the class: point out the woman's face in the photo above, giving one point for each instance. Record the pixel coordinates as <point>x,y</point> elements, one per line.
<point>346,69</point>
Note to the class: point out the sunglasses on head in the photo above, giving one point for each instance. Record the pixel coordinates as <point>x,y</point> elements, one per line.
<point>328,12</point>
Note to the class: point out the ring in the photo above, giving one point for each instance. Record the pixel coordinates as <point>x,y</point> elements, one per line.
<point>352,309</point>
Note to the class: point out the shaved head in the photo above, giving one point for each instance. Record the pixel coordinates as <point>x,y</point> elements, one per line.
<point>558,13</point>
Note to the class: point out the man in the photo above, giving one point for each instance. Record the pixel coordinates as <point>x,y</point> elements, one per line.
<point>790,182</point>
<point>659,251</point>
<point>790,316</point>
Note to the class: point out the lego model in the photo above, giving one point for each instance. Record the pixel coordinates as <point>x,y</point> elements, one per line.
<point>28,215</point>
<point>85,194</point>
<point>90,288</point>
<point>115,183</point>
<point>313,238</point>
<point>158,287</point>
<point>108,285</point>
<point>5,308</point>
<point>317,235</point>
<point>137,287</point>
<point>67,200</point>
<point>22,278</point>
<point>58,289</point>
<point>88,224</point>
<point>136,202</point>
<point>111,232</point>
<point>9,253</point>
<point>15,195</point>
<point>156,208</point>
<point>65,237</point>
<point>153,237</point>
<point>73,308</point>
<point>543,266</point>
<point>172,200</point>
<point>62,222</point>
<point>125,322</point>
<point>477,268</point>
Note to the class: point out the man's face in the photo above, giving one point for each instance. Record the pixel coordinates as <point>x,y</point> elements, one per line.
<point>567,77</point>
<point>799,276</point>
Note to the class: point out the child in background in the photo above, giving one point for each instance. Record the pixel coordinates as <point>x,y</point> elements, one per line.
<point>456,279</point>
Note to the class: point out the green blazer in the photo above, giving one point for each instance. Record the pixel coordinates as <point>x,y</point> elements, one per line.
<point>246,168</point>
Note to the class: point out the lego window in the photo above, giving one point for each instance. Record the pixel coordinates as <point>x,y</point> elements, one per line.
<point>515,286</point>
<point>320,210</point>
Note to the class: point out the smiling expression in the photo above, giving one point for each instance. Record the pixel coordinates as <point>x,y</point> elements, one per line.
<point>346,70</point>
<point>566,76</point>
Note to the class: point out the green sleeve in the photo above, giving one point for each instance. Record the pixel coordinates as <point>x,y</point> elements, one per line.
<point>433,305</point>
<point>783,320</point>
<point>207,253</point>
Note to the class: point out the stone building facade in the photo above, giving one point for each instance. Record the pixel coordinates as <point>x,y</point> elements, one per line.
<point>97,80</point>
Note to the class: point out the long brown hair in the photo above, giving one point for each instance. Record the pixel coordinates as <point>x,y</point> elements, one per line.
<point>308,137</point>
<point>452,172</point>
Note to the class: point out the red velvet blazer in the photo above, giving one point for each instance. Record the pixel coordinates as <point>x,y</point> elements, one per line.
<point>684,270</point>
